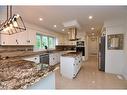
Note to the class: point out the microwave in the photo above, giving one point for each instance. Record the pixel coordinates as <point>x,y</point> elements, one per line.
<point>80,44</point>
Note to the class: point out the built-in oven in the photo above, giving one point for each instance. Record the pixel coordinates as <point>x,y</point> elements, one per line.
<point>80,47</point>
<point>80,44</point>
<point>44,59</point>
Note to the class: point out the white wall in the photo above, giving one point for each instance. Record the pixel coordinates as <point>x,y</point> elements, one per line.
<point>86,48</point>
<point>93,46</point>
<point>115,59</point>
<point>125,50</point>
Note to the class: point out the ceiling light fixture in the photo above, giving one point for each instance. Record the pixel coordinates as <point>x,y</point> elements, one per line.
<point>54,26</point>
<point>13,24</point>
<point>41,19</point>
<point>62,29</point>
<point>92,34</point>
<point>90,17</point>
<point>92,28</point>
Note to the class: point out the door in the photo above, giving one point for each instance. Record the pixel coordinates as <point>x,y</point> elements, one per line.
<point>31,37</point>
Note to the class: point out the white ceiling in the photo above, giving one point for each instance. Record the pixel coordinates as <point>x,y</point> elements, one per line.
<point>59,14</point>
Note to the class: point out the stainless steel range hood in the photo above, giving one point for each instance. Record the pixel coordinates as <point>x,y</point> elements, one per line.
<point>72,33</point>
<point>72,28</point>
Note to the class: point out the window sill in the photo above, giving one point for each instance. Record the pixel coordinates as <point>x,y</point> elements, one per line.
<point>35,49</point>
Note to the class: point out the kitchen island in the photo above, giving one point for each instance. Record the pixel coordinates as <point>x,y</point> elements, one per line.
<point>22,74</point>
<point>70,64</point>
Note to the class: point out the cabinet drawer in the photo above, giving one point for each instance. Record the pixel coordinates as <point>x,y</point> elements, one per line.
<point>54,58</point>
<point>52,61</point>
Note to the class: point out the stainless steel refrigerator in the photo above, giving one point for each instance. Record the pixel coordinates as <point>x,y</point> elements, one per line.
<point>101,62</point>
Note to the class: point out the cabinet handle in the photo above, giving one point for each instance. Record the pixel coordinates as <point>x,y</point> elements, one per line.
<point>17,41</point>
<point>53,58</point>
<point>79,61</point>
<point>3,42</point>
<point>74,64</point>
<point>28,41</point>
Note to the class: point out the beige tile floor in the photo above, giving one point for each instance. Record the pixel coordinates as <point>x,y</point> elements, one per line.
<point>89,77</point>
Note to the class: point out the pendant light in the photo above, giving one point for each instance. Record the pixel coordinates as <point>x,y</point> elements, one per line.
<point>13,24</point>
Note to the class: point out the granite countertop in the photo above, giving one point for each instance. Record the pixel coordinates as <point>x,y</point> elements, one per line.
<point>71,54</point>
<point>25,53</point>
<point>20,74</point>
<point>19,54</point>
<point>16,73</point>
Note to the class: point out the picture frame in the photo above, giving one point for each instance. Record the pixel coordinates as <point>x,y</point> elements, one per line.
<point>115,42</point>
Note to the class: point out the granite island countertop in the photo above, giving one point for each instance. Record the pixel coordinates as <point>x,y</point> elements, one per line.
<point>71,54</point>
<point>20,54</point>
<point>20,74</point>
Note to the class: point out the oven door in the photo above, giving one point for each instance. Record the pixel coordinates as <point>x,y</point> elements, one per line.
<point>44,59</point>
<point>81,49</point>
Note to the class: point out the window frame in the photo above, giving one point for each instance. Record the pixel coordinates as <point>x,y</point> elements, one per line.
<point>41,35</point>
<point>40,41</point>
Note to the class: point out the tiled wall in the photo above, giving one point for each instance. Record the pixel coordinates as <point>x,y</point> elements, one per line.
<point>15,48</point>
<point>65,47</point>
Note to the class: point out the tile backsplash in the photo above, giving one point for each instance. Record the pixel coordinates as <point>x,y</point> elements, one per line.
<point>10,48</point>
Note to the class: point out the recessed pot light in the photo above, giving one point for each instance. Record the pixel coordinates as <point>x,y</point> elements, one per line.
<point>92,34</point>
<point>40,19</point>
<point>90,17</point>
<point>62,29</point>
<point>54,25</point>
<point>92,28</point>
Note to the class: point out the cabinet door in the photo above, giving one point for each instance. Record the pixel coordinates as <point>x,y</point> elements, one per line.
<point>77,64</point>
<point>57,55</point>
<point>71,43</point>
<point>27,37</point>
<point>31,37</point>
<point>4,39</point>
<point>67,67</point>
<point>74,69</point>
<point>21,38</point>
<point>14,39</point>
<point>52,60</point>
<point>9,39</point>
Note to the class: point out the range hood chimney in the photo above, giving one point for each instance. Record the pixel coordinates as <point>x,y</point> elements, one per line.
<point>72,27</point>
<point>72,34</point>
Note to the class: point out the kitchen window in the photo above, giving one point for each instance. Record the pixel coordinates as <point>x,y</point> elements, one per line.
<point>44,40</point>
<point>38,41</point>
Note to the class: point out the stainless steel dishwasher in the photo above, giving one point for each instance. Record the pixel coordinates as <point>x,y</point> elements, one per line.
<point>44,59</point>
